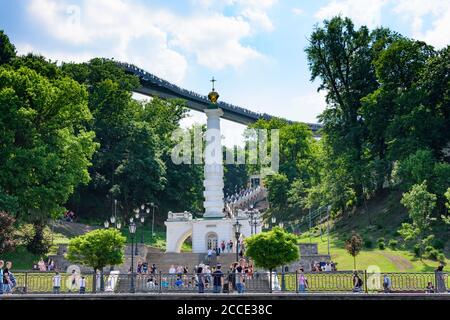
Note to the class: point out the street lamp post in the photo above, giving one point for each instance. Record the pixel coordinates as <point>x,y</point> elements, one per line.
<point>132,229</point>
<point>142,232</point>
<point>153,217</point>
<point>237,233</point>
<point>328,228</point>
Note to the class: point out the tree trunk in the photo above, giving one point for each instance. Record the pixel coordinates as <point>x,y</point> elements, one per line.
<point>354,263</point>
<point>37,244</point>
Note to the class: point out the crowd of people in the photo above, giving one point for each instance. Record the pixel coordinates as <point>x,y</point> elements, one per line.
<point>328,266</point>
<point>204,277</point>
<point>7,279</point>
<point>69,216</point>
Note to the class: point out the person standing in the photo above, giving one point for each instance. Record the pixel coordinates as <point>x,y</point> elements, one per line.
<point>222,246</point>
<point>210,252</point>
<point>217,279</point>
<point>387,284</point>
<point>82,285</point>
<point>42,266</point>
<point>172,270</point>
<point>201,280</point>
<point>440,279</point>
<point>240,276</point>
<point>1,276</point>
<point>56,283</point>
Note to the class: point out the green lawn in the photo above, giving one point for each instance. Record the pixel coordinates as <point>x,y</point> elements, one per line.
<point>387,260</point>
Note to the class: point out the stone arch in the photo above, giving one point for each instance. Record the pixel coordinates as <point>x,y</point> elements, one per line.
<point>177,233</point>
<point>182,239</point>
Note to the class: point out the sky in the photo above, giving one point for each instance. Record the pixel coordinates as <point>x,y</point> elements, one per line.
<point>254,48</point>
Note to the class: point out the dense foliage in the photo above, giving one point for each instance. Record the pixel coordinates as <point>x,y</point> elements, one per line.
<point>7,237</point>
<point>97,249</point>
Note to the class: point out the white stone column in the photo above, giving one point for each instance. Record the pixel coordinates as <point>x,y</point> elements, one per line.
<point>213,182</point>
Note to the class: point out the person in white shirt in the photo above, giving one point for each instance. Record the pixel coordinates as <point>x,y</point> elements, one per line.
<point>328,267</point>
<point>56,283</point>
<point>172,269</point>
<point>82,285</point>
<point>151,284</point>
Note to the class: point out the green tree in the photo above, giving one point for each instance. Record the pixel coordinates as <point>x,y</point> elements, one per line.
<point>97,249</point>
<point>354,246</point>
<point>272,249</point>
<point>420,204</point>
<point>447,195</point>
<point>128,166</point>
<point>7,49</point>
<point>341,57</point>
<point>278,187</point>
<point>7,237</point>
<point>46,148</point>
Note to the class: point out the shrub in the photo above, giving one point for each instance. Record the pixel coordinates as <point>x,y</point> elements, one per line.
<point>417,250</point>
<point>393,244</point>
<point>428,249</point>
<point>433,254</point>
<point>368,243</point>
<point>441,258</point>
<point>381,244</point>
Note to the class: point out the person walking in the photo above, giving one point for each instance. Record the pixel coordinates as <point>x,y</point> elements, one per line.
<point>218,279</point>
<point>73,281</point>
<point>357,283</point>
<point>302,281</point>
<point>56,283</point>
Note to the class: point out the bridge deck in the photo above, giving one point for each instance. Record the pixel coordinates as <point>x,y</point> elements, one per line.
<point>155,86</point>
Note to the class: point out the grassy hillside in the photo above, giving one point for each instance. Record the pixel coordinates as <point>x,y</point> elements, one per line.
<point>380,218</point>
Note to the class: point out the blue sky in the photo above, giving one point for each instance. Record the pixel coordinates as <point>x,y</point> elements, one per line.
<point>253,47</point>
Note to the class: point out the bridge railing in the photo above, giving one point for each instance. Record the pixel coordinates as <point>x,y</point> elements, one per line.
<point>146,76</point>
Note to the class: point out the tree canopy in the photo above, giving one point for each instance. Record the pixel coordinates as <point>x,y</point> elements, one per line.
<point>97,249</point>
<point>272,249</point>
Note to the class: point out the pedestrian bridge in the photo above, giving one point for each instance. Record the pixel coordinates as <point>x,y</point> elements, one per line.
<point>152,85</point>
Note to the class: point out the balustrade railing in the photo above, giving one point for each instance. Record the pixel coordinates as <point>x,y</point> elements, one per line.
<point>115,282</point>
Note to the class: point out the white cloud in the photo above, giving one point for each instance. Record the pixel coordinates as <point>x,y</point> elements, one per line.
<point>252,11</point>
<point>362,12</point>
<point>416,11</point>
<point>157,40</point>
<point>297,11</point>
<point>214,40</point>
